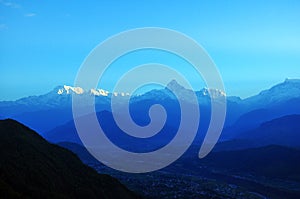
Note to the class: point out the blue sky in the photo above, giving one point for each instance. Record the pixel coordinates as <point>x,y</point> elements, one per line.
<point>255,44</point>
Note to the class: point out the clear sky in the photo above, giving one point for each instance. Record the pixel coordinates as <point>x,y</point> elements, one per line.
<point>255,44</point>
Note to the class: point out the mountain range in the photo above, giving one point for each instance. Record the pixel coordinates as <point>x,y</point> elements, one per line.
<point>47,112</point>
<point>258,148</point>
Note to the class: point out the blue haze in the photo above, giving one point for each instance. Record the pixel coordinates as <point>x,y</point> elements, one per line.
<point>255,44</point>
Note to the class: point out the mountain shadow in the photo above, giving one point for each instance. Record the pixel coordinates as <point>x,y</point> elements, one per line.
<point>30,167</point>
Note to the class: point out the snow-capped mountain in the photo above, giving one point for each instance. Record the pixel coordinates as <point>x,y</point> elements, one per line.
<point>94,92</point>
<point>59,100</point>
<point>61,97</point>
<point>183,93</point>
<point>172,86</point>
<point>158,94</point>
<point>69,89</point>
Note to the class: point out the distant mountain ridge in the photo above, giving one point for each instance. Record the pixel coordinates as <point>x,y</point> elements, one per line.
<point>283,131</point>
<point>173,85</point>
<point>60,96</point>
<point>94,91</point>
<point>287,90</point>
<point>55,106</point>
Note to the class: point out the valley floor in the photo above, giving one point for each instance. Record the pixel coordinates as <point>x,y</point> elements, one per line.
<point>176,182</point>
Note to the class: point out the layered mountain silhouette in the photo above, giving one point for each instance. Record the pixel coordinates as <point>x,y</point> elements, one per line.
<point>283,131</point>
<point>30,167</point>
<point>51,114</point>
<point>260,141</point>
<point>68,133</point>
<point>254,118</point>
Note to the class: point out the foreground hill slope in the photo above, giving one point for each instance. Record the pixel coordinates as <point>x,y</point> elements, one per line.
<point>30,167</point>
